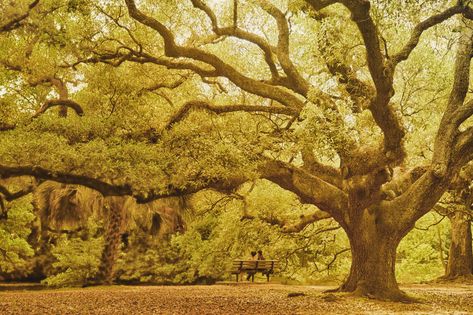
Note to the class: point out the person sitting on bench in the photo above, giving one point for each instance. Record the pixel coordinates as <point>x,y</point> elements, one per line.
<point>251,273</point>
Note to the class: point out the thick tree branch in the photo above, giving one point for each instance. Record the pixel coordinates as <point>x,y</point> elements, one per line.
<point>167,85</point>
<point>455,112</point>
<point>16,21</point>
<point>463,150</point>
<point>222,68</point>
<point>59,102</point>
<point>305,220</point>
<point>39,172</point>
<point>101,186</point>
<point>463,112</point>
<point>404,53</point>
<point>294,227</point>
<point>219,109</point>
<point>10,196</point>
<point>360,14</point>
<point>300,85</point>
<point>5,126</point>
<point>325,172</point>
<point>267,49</point>
<point>63,100</point>
<point>382,75</point>
<point>308,187</point>
<point>115,59</point>
<point>293,80</point>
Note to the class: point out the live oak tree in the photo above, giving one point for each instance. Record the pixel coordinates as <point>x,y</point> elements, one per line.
<point>319,77</point>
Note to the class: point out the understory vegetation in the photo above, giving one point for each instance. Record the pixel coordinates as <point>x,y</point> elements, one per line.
<point>215,236</point>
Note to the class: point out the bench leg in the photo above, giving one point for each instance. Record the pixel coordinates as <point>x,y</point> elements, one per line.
<point>237,276</point>
<point>267,277</point>
<point>253,277</point>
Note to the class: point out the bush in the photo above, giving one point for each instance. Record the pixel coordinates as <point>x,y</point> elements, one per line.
<point>76,259</point>
<point>14,232</point>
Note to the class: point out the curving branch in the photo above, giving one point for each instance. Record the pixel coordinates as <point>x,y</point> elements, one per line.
<point>294,227</point>
<point>223,69</point>
<point>309,188</point>
<point>300,85</point>
<point>63,100</point>
<point>456,112</point>
<point>15,22</point>
<point>463,112</point>
<point>463,150</point>
<point>219,109</point>
<point>6,126</point>
<point>236,32</point>
<point>327,173</point>
<point>293,80</point>
<point>67,178</point>
<point>404,53</point>
<point>360,14</point>
<point>115,59</point>
<point>167,85</point>
<point>105,188</point>
<point>59,102</point>
<point>452,149</point>
<point>10,196</point>
<point>305,220</point>
<point>382,75</point>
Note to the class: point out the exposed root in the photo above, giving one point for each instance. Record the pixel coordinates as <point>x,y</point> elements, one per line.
<point>382,294</point>
<point>464,279</point>
<point>393,295</point>
<point>333,290</point>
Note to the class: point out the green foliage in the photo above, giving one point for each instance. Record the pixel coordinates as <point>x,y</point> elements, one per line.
<point>216,235</point>
<point>14,231</point>
<point>420,254</point>
<point>77,259</point>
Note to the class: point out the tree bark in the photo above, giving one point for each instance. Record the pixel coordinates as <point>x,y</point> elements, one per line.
<point>373,248</point>
<point>111,248</point>
<point>460,259</point>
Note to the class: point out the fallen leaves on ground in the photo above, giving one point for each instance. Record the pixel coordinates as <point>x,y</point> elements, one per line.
<point>242,298</point>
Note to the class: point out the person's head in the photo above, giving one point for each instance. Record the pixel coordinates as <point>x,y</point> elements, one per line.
<point>253,253</point>
<point>260,252</point>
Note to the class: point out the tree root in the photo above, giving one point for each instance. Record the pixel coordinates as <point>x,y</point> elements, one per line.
<point>382,294</point>
<point>468,279</point>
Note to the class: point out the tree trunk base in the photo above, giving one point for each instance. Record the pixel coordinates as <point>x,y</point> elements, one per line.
<point>383,294</point>
<point>455,278</point>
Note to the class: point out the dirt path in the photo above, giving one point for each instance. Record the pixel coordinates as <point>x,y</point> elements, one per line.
<point>227,299</point>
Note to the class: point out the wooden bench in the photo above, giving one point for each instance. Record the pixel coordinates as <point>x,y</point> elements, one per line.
<point>251,267</point>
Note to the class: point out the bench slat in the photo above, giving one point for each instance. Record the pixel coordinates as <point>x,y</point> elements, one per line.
<point>253,266</point>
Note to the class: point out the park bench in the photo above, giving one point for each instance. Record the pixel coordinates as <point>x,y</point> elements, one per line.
<point>266,267</point>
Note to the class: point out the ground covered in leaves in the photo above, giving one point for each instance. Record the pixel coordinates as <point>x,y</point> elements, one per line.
<point>242,298</point>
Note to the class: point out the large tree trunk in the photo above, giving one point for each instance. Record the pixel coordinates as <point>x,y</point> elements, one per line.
<point>460,260</point>
<point>373,249</point>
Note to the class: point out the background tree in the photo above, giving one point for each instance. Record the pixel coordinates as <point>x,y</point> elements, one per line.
<point>68,208</point>
<point>458,204</point>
